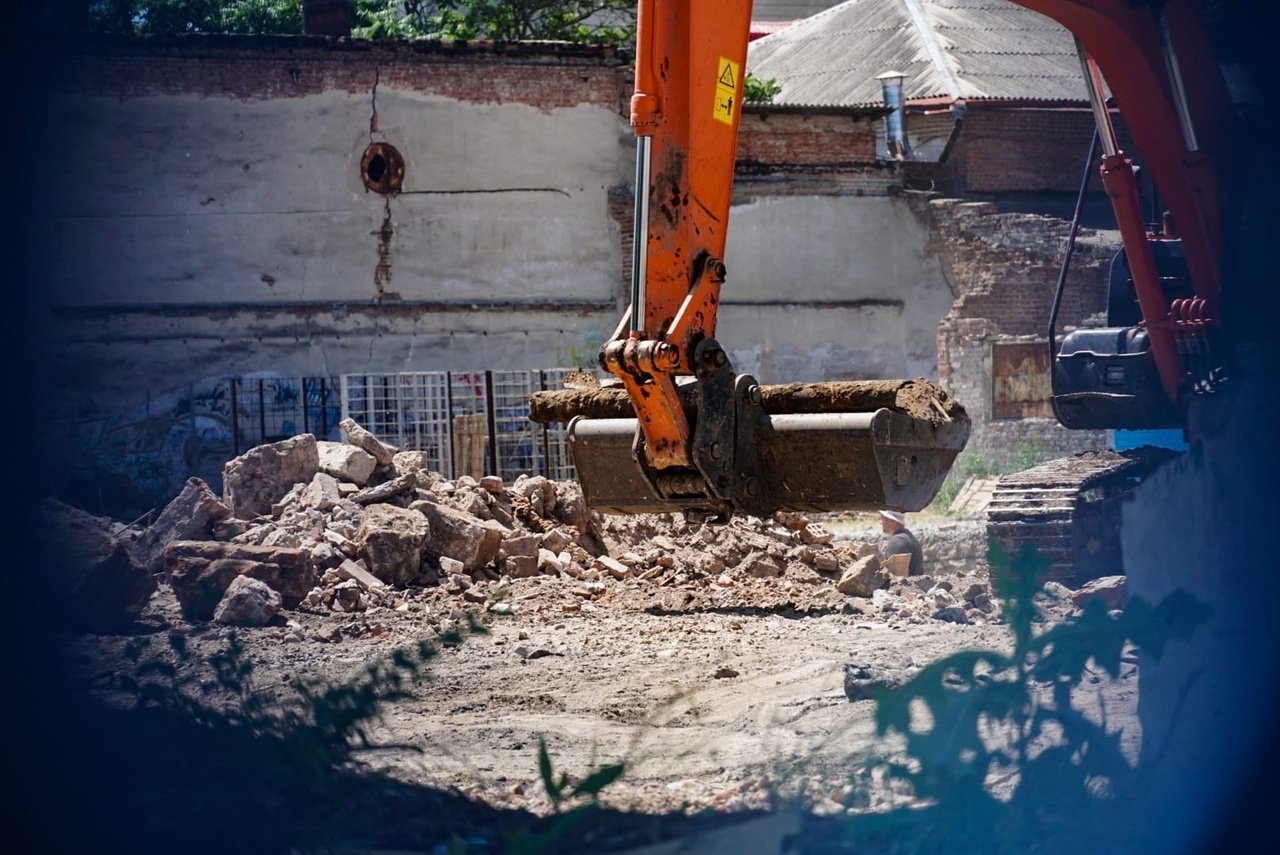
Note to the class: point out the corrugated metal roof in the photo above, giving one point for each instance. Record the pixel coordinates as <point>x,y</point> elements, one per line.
<point>970,49</point>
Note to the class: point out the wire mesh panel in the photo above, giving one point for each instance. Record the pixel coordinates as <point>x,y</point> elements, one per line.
<point>556,463</point>
<point>519,450</point>
<point>468,422</point>
<point>425,422</point>
<point>373,400</point>
<point>269,409</point>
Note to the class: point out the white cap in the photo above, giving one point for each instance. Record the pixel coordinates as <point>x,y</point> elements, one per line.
<point>896,516</point>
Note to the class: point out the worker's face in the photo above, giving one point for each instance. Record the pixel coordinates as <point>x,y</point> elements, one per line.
<point>888,526</point>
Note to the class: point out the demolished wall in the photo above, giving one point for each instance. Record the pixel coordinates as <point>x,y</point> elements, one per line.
<point>1004,269</point>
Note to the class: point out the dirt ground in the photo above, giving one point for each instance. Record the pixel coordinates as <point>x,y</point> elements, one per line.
<point>726,706</point>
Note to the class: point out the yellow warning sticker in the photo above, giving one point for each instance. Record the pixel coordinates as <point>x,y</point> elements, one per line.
<point>726,91</point>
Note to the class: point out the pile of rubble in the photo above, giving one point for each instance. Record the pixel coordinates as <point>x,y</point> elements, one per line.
<point>358,526</point>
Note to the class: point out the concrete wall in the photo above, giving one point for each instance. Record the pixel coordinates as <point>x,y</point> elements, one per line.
<point>224,229</point>
<point>205,218</point>
<point>831,287</point>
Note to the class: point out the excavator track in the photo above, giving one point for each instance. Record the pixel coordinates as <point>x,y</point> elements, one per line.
<point>1069,510</point>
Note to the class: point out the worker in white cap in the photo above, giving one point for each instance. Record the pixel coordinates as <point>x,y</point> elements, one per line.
<point>901,541</point>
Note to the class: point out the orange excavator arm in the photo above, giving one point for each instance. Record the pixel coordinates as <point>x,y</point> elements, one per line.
<point>686,110</point>
<point>689,434</point>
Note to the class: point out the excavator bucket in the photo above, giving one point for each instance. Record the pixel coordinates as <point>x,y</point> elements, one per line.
<point>802,447</point>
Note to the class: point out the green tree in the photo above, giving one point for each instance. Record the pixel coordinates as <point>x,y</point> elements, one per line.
<point>584,21</point>
<point>162,17</point>
<point>759,91</point>
<point>262,16</point>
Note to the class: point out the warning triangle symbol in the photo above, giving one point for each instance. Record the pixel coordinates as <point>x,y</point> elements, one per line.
<point>726,77</point>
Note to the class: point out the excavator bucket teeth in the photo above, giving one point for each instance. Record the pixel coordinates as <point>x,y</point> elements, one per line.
<point>893,457</point>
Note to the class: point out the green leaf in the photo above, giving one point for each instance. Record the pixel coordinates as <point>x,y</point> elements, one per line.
<point>554,790</point>
<point>599,779</point>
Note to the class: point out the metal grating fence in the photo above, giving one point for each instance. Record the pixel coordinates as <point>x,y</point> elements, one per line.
<point>269,409</point>
<point>469,423</point>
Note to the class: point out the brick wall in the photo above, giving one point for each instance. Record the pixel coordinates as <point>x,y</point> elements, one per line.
<point>547,76</point>
<point>1025,149</point>
<point>770,139</point>
<point>1004,268</point>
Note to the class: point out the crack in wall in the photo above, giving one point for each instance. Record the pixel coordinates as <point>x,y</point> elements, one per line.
<point>373,104</point>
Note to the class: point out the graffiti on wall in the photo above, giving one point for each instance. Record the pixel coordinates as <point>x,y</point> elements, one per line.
<point>127,463</point>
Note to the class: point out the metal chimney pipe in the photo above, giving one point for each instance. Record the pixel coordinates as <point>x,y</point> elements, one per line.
<point>326,17</point>
<point>895,130</point>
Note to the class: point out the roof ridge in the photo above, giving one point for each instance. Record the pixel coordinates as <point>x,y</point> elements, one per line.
<point>929,36</point>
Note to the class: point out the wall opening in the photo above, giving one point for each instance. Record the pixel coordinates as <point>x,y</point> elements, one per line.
<point>382,168</point>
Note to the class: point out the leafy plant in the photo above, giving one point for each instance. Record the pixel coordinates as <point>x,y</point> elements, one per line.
<point>195,16</point>
<point>586,21</point>
<point>981,715</point>
<point>560,789</point>
<point>755,90</point>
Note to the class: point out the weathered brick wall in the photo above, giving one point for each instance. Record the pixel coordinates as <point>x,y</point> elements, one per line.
<point>770,139</point>
<point>1010,149</point>
<point>547,76</point>
<point>1022,149</point>
<point>1004,267</point>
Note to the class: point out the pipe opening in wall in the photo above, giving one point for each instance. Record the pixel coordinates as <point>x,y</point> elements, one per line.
<point>382,168</point>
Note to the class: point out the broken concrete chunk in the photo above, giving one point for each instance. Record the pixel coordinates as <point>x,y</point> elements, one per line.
<point>451,566</point>
<point>391,539</point>
<point>953,614</point>
<point>761,565</point>
<point>550,563</point>
<point>387,490</point>
<point>492,483</point>
<point>793,520</point>
<point>103,586</point>
<point>190,516</point>
<point>557,540</point>
<point>520,566</point>
<point>519,544</point>
<point>460,535</point>
<point>540,492</point>
<point>362,577</point>
<point>863,579</point>
<point>471,502</point>
<point>288,500</point>
<point>862,550</point>
<point>257,479</point>
<point>827,562</point>
<point>324,555</point>
<point>361,438</point>
<point>612,566</point>
<point>200,571</point>
<point>321,494</point>
<point>346,462</point>
<point>346,596</point>
<point>864,681</point>
<point>340,542</point>
<point>1112,590</point>
<point>247,602</point>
